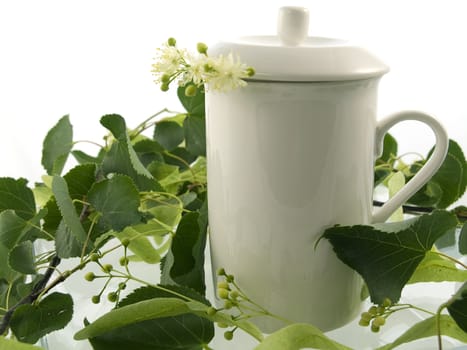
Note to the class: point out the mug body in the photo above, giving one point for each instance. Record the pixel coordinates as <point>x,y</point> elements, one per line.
<point>286,161</point>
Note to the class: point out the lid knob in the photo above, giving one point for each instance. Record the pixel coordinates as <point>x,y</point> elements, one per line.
<point>292,25</point>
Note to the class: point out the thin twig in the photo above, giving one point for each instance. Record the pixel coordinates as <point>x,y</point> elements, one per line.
<point>31,297</point>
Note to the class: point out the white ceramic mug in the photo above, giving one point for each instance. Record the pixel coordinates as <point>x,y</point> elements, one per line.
<point>285,161</point>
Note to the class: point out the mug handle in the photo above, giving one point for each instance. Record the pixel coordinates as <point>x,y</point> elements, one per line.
<point>425,173</point>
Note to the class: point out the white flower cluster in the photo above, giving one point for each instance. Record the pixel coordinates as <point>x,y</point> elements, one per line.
<point>222,73</point>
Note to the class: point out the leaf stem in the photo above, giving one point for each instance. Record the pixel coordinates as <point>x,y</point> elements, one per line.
<point>438,324</point>
<point>451,258</point>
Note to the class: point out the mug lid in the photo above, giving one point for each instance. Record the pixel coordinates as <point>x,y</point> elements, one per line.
<point>293,56</point>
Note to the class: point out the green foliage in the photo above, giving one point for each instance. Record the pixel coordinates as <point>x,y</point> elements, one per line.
<point>184,263</point>
<point>298,336</point>
<point>449,182</point>
<point>386,255</point>
<point>183,331</point>
<point>9,344</point>
<point>17,196</point>
<point>116,200</point>
<point>31,322</point>
<point>457,307</point>
<point>57,146</point>
<point>463,239</point>
<point>435,268</point>
<point>169,134</point>
<point>428,328</point>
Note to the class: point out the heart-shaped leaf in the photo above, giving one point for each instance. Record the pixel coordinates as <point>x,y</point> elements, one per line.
<point>31,322</point>
<point>117,200</point>
<point>386,255</point>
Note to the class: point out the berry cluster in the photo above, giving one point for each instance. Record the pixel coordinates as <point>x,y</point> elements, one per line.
<point>109,273</point>
<point>376,315</point>
<point>233,297</point>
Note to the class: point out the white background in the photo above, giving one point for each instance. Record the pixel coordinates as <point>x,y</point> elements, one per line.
<point>90,58</point>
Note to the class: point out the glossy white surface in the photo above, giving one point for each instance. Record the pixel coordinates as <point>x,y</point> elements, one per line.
<point>285,161</point>
<point>293,56</point>
<point>292,25</point>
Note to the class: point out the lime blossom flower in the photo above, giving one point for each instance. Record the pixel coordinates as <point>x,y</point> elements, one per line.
<point>222,73</point>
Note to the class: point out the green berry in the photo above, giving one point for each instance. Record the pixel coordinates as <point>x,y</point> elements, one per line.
<point>223,293</point>
<point>228,305</point>
<point>363,322</point>
<point>112,297</point>
<point>90,276</point>
<point>211,311</point>
<point>379,321</point>
<point>229,278</point>
<point>94,257</point>
<point>221,272</point>
<point>123,261</point>
<point>125,242</point>
<point>380,310</point>
<point>96,299</point>
<point>386,302</point>
<point>366,316</point>
<point>165,78</point>
<point>228,335</point>
<point>202,48</point>
<point>223,284</point>
<point>171,42</point>
<point>250,71</point>
<point>374,328</point>
<point>121,286</point>
<point>234,294</point>
<point>107,268</point>
<point>165,87</point>
<point>373,310</point>
<point>190,91</point>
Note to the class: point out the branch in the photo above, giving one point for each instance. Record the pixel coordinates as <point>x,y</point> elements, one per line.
<point>460,212</point>
<point>31,297</point>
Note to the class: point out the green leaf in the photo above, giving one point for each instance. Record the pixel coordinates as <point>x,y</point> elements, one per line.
<point>194,105</point>
<point>167,175</point>
<point>179,157</point>
<point>148,151</point>
<point>66,244</point>
<point>137,312</point>
<point>195,135</point>
<point>184,263</point>
<point>428,328</point>
<point>140,245</point>
<point>463,240</point>
<point>17,196</point>
<point>21,258</point>
<point>386,255</point>
<point>435,268</point>
<point>11,344</point>
<point>29,323</point>
<point>395,184</point>
<point>12,228</point>
<point>447,240</point>
<point>298,336</point>
<point>80,179</point>
<point>389,148</point>
<point>6,272</point>
<point>451,179</point>
<point>67,209</point>
<point>457,307</point>
<point>57,146</point>
<point>169,134</point>
<point>185,331</point>
<point>117,201</point>
<point>84,158</point>
<point>122,158</point>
